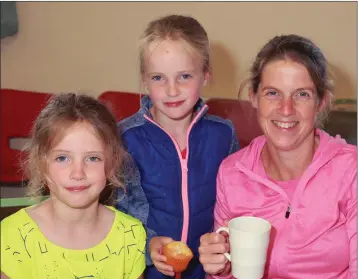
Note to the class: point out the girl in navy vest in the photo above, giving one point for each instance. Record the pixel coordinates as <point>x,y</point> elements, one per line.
<point>175,146</point>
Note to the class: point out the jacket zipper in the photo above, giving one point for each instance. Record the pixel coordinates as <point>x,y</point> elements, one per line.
<point>270,185</point>
<point>184,171</point>
<point>184,177</point>
<point>288,211</point>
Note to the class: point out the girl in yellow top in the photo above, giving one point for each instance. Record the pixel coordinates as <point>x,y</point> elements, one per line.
<point>75,154</point>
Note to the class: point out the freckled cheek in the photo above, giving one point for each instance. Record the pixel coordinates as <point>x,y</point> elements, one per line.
<point>266,108</point>
<point>57,176</point>
<point>191,90</point>
<point>156,92</point>
<point>265,113</point>
<point>307,113</point>
<point>57,170</point>
<point>97,173</point>
<point>310,116</point>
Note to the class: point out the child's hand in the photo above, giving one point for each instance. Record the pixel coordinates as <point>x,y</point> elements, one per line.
<point>155,249</point>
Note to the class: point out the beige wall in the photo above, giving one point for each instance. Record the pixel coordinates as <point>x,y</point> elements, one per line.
<point>92,46</point>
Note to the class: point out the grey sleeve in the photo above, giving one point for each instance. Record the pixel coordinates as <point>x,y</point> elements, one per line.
<point>134,202</point>
<point>235,146</point>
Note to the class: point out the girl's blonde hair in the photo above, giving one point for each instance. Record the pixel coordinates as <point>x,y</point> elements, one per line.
<point>61,112</point>
<point>176,27</point>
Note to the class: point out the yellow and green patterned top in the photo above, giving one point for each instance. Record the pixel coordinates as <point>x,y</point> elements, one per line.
<point>26,253</point>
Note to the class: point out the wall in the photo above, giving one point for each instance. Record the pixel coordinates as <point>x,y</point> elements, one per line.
<point>91,46</point>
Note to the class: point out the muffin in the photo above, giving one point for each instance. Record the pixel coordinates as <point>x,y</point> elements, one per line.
<point>178,255</point>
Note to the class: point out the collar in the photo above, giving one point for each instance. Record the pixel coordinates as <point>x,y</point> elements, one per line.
<point>146,104</point>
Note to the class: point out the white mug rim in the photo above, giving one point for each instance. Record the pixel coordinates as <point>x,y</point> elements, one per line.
<point>267,223</point>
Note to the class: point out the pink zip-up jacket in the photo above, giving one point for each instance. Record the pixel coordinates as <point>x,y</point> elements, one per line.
<point>318,240</point>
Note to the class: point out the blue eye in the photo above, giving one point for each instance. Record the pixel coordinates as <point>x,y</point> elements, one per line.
<point>186,76</point>
<point>303,94</point>
<point>271,93</point>
<point>156,78</point>
<point>94,159</point>
<point>61,159</point>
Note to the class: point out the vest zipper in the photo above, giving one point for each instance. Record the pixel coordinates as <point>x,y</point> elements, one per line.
<point>184,171</point>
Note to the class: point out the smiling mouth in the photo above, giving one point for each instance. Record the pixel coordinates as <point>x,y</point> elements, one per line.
<point>77,188</point>
<point>174,104</point>
<point>285,125</point>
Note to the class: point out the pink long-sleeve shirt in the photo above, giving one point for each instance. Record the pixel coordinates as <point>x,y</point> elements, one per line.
<point>319,238</point>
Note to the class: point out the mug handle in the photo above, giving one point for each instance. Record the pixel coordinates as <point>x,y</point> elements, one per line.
<point>224,229</point>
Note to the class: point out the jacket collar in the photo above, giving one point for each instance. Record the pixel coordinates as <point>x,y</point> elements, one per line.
<point>328,147</point>
<point>146,104</point>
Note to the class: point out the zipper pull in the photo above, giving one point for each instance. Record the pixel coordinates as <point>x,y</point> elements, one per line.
<point>288,211</point>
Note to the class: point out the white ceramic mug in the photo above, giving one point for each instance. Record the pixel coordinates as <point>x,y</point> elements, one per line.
<point>249,238</point>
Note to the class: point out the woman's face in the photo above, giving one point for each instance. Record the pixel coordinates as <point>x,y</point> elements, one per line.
<point>287,104</point>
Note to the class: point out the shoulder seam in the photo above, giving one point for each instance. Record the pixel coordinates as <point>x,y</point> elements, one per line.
<point>219,119</point>
<point>130,122</point>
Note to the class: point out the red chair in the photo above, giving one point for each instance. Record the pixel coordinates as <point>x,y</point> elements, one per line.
<point>242,115</point>
<point>19,109</point>
<point>123,104</point>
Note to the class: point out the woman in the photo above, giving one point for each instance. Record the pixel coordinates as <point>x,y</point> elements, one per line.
<point>296,176</point>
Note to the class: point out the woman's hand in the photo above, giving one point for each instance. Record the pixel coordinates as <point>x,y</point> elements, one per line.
<point>159,260</point>
<point>211,250</point>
